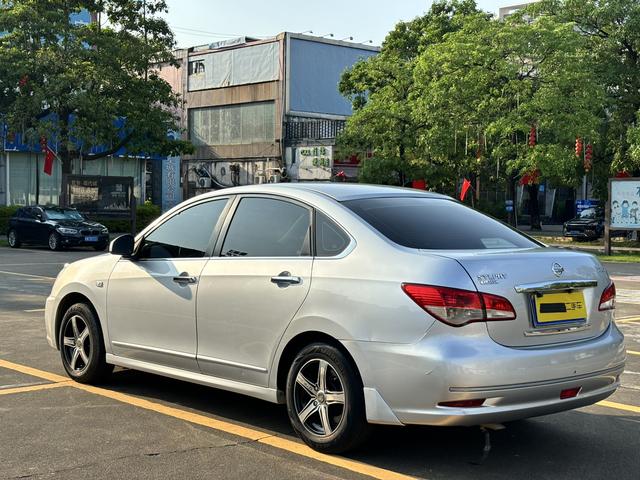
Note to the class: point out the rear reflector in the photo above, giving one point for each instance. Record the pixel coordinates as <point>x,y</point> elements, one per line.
<point>570,393</point>
<point>608,298</point>
<point>457,307</point>
<point>475,403</point>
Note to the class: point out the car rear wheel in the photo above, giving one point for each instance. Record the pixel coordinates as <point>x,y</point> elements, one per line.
<point>12,239</point>
<point>54,241</point>
<point>82,345</point>
<point>325,400</point>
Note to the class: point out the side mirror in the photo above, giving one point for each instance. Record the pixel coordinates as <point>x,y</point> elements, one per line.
<point>122,245</point>
<point>39,217</point>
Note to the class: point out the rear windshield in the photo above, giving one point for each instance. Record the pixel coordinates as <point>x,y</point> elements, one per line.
<point>436,224</point>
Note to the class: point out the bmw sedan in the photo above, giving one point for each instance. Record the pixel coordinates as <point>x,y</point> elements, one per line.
<point>351,304</point>
<point>56,228</point>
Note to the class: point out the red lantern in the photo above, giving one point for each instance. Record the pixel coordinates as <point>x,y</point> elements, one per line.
<point>578,147</point>
<point>532,136</point>
<point>43,143</point>
<point>588,156</point>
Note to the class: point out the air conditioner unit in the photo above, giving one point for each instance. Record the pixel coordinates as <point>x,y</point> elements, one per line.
<point>204,182</point>
<point>275,178</point>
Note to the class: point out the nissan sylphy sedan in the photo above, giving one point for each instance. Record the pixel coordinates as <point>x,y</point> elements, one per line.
<point>352,304</point>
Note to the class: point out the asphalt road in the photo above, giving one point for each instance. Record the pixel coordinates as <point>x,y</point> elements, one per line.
<point>144,426</point>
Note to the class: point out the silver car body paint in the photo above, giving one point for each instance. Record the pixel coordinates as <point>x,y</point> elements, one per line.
<point>229,329</point>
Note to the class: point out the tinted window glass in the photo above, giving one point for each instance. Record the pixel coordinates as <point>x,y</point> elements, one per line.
<point>186,234</point>
<point>264,227</point>
<point>432,223</point>
<point>330,238</point>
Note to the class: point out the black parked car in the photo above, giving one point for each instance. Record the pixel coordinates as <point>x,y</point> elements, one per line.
<point>56,227</point>
<point>588,225</point>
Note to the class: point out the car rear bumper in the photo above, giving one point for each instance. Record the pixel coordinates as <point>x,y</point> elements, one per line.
<point>411,380</point>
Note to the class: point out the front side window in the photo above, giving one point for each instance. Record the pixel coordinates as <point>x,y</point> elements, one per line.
<point>265,227</point>
<point>437,224</point>
<point>185,235</point>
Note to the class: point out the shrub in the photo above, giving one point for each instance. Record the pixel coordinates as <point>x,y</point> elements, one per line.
<point>5,214</point>
<point>145,214</point>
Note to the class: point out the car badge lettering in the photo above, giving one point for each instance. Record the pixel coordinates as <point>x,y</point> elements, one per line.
<point>557,269</point>
<point>491,278</point>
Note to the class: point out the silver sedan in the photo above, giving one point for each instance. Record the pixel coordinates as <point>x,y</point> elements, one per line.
<point>352,304</point>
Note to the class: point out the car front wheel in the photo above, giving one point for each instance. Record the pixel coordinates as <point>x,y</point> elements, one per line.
<point>54,241</point>
<point>325,400</point>
<point>12,239</point>
<point>82,346</point>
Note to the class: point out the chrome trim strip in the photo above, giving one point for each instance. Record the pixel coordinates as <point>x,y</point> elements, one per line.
<point>145,348</point>
<point>557,330</point>
<point>541,383</point>
<point>555,285</point>
<point>229,363</point>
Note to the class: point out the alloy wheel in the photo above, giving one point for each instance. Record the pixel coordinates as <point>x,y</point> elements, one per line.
<point>76,343</point>
<point>12,238</point>
<point>319,404</point>
<point>53,241</point>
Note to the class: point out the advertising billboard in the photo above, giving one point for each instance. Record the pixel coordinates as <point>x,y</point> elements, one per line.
<point>624,204</point>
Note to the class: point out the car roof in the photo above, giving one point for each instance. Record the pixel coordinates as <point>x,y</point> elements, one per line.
<point>337,191</point>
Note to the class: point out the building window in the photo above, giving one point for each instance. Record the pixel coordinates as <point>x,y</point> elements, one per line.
<point>197,66</point>
<point>232,124</point>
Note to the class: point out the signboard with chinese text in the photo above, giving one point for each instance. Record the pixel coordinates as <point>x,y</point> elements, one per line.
<point>315,163</point>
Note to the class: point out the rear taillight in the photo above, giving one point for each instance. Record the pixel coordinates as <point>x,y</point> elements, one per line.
<point>608,298</point>
<point>457,307</point>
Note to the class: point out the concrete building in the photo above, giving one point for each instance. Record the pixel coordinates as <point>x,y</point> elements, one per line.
<point>504,12</point>
<point>260,110</point>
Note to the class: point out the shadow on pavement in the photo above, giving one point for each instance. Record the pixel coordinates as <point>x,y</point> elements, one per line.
<point>568,445</point>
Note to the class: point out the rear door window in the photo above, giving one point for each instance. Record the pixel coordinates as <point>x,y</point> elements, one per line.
<point>268,227</point>
<point>436,224</point>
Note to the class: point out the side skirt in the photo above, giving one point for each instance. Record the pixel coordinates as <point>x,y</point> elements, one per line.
<point>263,393</point>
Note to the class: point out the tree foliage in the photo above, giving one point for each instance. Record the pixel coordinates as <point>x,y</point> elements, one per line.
<point>474,89</point>
<point>88,86</point>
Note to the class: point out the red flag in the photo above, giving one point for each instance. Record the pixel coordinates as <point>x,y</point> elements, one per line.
<point>48,161</point>
<point>466,185</point>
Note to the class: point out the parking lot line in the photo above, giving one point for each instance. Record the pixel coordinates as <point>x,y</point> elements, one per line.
<point>619,406</point>
<point>35,388</point>
<point>632,352</point>
<point>28,275</point>
<point>635,318</point>
<point>258,436</point>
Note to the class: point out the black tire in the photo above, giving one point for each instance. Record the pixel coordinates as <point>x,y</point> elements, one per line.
<point>12,239</point>
<point>54,241</point>
<point>348,426</point>
<point>101,247</point>
<point>88,365</point>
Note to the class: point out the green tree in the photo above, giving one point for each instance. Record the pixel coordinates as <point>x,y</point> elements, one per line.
<point>492,84</point>
<point>89,85</point>
<point>612,31</point>
<point>380,89</point>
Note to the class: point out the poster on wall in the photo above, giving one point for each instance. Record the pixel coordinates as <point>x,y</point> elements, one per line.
<point>315,163</point>
<point>625,203</point>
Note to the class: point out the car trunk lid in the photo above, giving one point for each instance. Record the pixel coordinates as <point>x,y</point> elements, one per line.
<point>522,275</point>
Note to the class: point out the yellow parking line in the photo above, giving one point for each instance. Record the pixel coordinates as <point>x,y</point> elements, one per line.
<point>633,352</point>
<point>266,438</point>
<point>34,372</point>
<point>34,388</point>
<point>619,406</point>
<point>628,320</point>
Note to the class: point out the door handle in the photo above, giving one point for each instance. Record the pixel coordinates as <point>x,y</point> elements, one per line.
<point>185,279</point>
<point>285,278</point>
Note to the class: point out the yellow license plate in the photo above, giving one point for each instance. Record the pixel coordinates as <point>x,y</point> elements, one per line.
<point>560,307</point>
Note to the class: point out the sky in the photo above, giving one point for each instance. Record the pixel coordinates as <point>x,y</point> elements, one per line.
<point>199,22</point>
